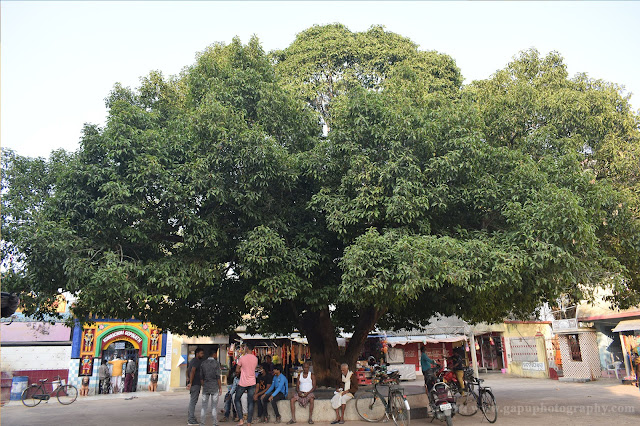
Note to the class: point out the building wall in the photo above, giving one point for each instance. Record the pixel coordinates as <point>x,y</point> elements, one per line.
<point>35,358</point>
<point>589,367</point>
<point>527,337</point>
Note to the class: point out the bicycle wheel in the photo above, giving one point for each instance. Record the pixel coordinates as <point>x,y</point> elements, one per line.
<point>370,406</point>
<point>400,412</point>
<point>488,405</point>
<point>28,396</point>
<point>67,394</point>
<point>467,404</point>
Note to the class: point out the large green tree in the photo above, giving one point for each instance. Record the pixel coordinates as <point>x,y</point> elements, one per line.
<point>346,181</point>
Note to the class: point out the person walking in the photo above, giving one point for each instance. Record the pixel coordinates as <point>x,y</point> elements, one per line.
<point>211,387</point>
<point>194,385</point>
<point>278,391</point>
<point>246,367</point>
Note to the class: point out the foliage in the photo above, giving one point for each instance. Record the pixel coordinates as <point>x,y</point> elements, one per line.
<point>218,192</point>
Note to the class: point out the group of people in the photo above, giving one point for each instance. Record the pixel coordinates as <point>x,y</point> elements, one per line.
<point>260,384</point>
<point>429,367</point>
<point>110,375</point>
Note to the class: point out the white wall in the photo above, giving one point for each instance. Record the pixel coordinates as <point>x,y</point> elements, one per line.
<point>35,357</point>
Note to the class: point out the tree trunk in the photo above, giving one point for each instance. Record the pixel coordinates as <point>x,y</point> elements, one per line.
<point>366,322</point>
<point>323,345</point>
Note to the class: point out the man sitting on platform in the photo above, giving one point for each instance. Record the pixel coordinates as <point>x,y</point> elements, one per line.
<point>304,393</point>
<point>347,387</point>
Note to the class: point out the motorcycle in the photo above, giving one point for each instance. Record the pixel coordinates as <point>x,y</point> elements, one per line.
<point>449,377</point>
<point>441,398</point>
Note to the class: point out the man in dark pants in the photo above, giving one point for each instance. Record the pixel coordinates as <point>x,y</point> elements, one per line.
<point>129,371</point>
<point>194,386</point>
<point>278,391</point>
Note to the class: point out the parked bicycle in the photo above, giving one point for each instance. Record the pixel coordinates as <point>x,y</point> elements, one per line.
<point>36,393</point>
<point>482,399</point>
<point>372,405</point>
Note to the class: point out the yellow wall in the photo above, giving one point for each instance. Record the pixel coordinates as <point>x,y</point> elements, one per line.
<point>542,332</point>
<point>176,371</point>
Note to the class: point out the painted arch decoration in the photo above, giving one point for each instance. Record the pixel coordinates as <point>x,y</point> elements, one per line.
<point>135,333</point>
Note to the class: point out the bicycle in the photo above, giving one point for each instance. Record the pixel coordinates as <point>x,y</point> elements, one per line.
<point>36,393</point>
<point>372,406</point>
<point>483,399</point>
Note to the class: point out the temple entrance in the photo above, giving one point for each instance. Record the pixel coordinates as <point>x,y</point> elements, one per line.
<point>123,349</point>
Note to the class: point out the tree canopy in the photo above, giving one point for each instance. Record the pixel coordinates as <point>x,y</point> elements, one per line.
<point>346,181</point>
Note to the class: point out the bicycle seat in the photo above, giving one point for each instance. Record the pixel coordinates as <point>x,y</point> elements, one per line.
<point>43,380</point>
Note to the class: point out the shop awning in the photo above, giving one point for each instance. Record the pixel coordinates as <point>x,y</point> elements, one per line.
<point>293,337</point>
<point>627,325</point>
<point>440,338</point>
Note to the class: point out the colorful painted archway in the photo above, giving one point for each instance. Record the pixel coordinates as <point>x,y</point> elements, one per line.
<point>118,332</point>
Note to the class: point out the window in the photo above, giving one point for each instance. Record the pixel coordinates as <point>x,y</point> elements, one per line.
<point>574,347</point>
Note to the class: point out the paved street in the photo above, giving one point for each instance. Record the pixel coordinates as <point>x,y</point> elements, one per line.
<point>520,401</point>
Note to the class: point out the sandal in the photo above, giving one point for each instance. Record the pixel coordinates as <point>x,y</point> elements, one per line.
<point>335,422</point>
<point>310,421</point>
<point>341,422</point>
<point>290,422</point>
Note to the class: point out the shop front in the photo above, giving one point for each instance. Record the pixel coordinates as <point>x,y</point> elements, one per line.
<point>404,352</point>
<point>181,349</point>
<point>629,332</point>
<point>291,351</point>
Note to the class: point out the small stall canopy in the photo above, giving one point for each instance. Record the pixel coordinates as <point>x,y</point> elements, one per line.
<point>439,338</point>
<point>627,325</point>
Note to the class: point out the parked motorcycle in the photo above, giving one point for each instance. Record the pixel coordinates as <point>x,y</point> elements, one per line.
<point>441,398</point>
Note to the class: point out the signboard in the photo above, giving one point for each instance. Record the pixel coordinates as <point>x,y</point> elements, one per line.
<point>536,366</point>
<point>564,324</point>
<point>118,345</point>
<point>121,333</point>
<point>167,357</point>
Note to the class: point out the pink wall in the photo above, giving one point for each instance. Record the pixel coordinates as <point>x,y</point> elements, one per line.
<point>34,332</point>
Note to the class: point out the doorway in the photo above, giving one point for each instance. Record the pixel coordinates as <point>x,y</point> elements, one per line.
<point>124,350</point>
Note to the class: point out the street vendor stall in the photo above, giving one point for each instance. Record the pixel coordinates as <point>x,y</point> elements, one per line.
<point>403,353</point>
<point>629,331</point>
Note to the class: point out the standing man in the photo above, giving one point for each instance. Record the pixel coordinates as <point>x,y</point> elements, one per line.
<point>193,387</point>
<point>304,393</point>
<point>278,391</point>
<point>211,387</point>
<point>427,365</point>
<point>247,369</point>
<point>458,366</point>
<point>104,377</point>
<point>128,374</point>
<point>116,374</point>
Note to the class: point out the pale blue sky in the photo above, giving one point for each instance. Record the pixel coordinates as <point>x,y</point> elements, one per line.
<point>60,59</point>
